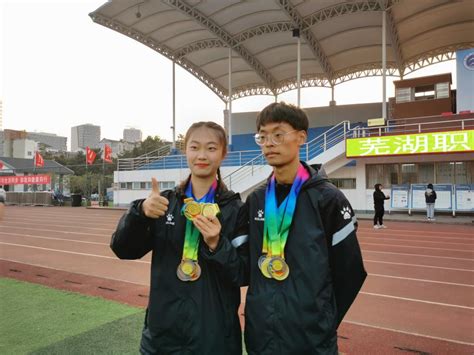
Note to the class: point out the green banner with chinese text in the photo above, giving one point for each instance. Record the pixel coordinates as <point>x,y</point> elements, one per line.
<point>406,144</point>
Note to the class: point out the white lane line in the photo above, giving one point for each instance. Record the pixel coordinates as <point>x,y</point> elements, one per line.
<point>62,239</point>
<point>416,300</point>
<point>74,272</point>
<point>414,241</point>
<point>17,225</point>
<point>421,255</point>
<point>411,246</point>
<point>416,265</point>
<point>408,333</point>
<point>414,232</point>
<point>60,231</point>
<point>384,234</point>
<point>75,253</point>
<point>421,280</point>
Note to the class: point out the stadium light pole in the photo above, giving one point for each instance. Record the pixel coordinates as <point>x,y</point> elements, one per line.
<point>384,64</point>
<point>229,115</point>
<point>173,127</point>
<point>296,33</point>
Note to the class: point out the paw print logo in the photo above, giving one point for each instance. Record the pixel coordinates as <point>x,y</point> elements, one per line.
<point>169,217</point>
<point>346,212</point>
<point>260,213</point>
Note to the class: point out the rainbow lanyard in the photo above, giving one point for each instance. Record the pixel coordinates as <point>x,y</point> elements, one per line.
<point>191,237</point>
<point>278,219</point>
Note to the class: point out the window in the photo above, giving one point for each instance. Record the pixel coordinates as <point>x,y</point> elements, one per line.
<point>123,185</point>
<point>444,173</point>
<point>136,185</point>
<point>166,185</point>
<point>463,172</point>
<point>426,92</point>
<point>143,185</point>
<point>385,174</point>
<point>442,90</point>
<point>408,173</point>
<point>426,173</point>
<point>403,95</point>
<point>344,183</point>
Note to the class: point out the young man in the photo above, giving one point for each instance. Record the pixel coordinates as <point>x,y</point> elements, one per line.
<point>305,262</point>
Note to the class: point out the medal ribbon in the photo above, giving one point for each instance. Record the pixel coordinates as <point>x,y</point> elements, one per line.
<point>191,237</point>
<point>278,219</point>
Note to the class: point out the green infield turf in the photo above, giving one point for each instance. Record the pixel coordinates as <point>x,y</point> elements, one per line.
<point>41,320</point>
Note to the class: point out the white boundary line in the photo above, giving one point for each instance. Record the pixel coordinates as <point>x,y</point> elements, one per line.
<point>421,255</point>
<point>420,280</point>
<point>415,241</point>
<point>415,300</point>
<point>411,246</point>
<point>51,238</point>
<point>408,333</point>
<point>416,265</point>
<point>75,253</point>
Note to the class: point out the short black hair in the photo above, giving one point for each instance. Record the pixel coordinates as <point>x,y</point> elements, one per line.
<point>282,112</point>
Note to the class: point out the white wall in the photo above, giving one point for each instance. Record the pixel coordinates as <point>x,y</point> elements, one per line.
<point>124,197</point>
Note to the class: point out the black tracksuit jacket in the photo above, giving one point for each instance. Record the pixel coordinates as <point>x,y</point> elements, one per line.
<point>197,317</point>
<point>300,315</point>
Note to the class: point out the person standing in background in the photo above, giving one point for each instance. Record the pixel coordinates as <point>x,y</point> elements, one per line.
<point>379,199</point>
<point>430,198</point>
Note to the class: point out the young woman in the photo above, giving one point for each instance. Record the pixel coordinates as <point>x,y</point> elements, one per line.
<point>379,199</point>
<point>193,302</point>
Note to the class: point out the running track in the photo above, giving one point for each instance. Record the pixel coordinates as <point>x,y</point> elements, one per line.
<point>417,299</point>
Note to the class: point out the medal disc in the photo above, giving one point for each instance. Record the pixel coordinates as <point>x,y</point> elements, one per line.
<point>210,209</point>
<point>264,266</point>
<point>188,270</point>
<point>278,268</point>
<point>192,209</point>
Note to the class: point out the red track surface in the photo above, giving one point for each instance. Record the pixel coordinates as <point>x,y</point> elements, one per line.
<point>418,298</point>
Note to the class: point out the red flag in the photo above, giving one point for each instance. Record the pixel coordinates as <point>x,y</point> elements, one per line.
<point>107,154</point>
<point>90,156</point>
<point>39,161</point>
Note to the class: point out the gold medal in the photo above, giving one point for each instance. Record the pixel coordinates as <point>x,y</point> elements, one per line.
<point>191,209</point>
<point>210,209</point>
<point>278,268</point>
<point>263,264</point>
<point>188,270</point>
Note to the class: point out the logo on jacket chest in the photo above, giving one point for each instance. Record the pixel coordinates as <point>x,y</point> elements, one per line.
<point>169,219</point>
<point>260,216</point>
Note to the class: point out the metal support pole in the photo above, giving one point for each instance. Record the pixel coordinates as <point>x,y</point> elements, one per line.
<point>173,127</point>
<point>384,64</point>
<point>298,71</point>
<point>230,97</point>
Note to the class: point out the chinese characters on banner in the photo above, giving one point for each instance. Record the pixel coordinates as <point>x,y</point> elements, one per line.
<point>25,180</point>
<point>422,143</point>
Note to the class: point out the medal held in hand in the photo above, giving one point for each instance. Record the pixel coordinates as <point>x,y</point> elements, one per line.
<point>189,269</point>
<point>278,220</point>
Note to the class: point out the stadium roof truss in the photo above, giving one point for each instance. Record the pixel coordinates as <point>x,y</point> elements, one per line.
<point>340,40</point>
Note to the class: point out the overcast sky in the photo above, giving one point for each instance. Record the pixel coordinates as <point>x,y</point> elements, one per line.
<point>60,69</point>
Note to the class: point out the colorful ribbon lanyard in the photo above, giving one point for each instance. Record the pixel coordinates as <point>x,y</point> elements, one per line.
<point>278,219</point>
<point>191,237</point>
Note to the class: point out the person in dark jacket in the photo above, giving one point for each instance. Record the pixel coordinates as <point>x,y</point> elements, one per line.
<point>430,199</point>
<point>193,302</point>
<point>305,264</point>
<point>379,199</point>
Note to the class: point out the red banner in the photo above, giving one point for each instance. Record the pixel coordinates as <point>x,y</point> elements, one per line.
<point>25,180</point>
<point>90,156</point>
<point>107,154</point>
<point>39,161</point>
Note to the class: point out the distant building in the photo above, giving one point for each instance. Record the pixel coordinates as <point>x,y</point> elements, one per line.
<point>132,135</point>
<point>1,114</point>
<point>118,147</point>
<point>15,144</point>
<point>52,142</point>
<point>86,135</point>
